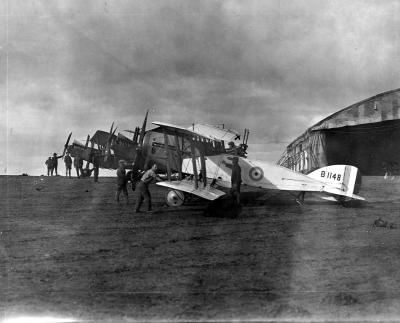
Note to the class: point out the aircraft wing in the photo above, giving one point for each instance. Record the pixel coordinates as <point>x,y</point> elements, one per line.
<point>207,192</point>
<point>214,132</point>
<point>172,129</point>
<point>100,137</point>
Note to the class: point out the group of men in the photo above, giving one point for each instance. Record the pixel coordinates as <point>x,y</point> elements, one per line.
<point>52,164</point>
<point>143,181</point>
<point>150,176</point>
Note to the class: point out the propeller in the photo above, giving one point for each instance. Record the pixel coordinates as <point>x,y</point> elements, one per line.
<point>66,144</point>
<point>108,144</point>
<point>140,142</point>
<point>143,130</point>
<point>87,141</point>
<point>135,133</point>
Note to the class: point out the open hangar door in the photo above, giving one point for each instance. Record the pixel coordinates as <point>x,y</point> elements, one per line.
<point>373,148</point>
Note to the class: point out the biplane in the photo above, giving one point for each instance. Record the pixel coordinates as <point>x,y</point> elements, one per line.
<point>204,169</point>
<point>107,148</point>
<point>149,146</point>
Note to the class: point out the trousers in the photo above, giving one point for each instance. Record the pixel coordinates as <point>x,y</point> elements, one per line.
<point>143,196</point>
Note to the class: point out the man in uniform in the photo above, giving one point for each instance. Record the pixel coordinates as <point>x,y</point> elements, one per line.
<point>232,149</point>
<point>236,181</point>
<point>96,165</point>
<point>54,159</point>
<point>121,181</point>
<point>49,164</point>
<point>78,164</point>
<point>148,177</point>
<point>68,164</point>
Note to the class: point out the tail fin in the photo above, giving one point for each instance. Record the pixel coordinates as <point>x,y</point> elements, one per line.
<point>343,180</point>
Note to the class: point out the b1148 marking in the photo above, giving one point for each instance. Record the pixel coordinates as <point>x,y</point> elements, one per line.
<point>329,175</point>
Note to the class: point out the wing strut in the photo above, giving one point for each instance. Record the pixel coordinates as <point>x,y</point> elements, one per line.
<point>203,163</point>
<point>193,155</point>
<point>169,158</point>
<point>179,153</point>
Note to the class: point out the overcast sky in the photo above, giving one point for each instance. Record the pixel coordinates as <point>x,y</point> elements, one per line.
<point>276,67</point>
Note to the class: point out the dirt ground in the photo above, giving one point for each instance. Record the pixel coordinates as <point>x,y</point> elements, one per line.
<point>68,249</point>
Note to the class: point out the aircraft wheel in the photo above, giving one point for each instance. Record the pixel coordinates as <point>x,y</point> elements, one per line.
<point>175,198</point>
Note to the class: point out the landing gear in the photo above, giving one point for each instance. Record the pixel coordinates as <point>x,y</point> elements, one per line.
<point>175,198</point>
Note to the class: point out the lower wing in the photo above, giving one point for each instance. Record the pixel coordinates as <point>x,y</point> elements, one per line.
<point>188,186</point>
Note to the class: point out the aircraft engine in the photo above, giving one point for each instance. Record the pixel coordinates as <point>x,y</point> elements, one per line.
<point>175,198</point>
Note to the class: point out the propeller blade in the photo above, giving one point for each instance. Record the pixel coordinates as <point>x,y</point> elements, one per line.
<point>143,130</point>
<point>108,144</point>
<point>87,141</point>
<point>136,135</point>
<point>66,144</point>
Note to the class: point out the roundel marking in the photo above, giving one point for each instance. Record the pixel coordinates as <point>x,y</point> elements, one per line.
<point>256,173</point>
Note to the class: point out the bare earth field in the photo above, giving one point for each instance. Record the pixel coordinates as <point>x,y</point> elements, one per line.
<point>68,249</point>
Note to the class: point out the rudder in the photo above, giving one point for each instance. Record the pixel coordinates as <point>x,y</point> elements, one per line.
<point>344,180</point>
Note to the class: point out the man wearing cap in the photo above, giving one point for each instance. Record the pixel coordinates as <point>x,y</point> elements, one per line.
<point>121,181</point>
<point>148,177</point>
<point>236,181</point>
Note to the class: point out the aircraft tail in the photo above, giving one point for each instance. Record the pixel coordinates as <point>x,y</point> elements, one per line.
<point>342,180</point>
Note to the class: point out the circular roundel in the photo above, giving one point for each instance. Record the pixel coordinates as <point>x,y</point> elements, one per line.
<point>175,198</point>
<point>256,173</point>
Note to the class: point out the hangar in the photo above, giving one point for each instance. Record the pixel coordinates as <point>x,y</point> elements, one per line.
<point>365,134</point>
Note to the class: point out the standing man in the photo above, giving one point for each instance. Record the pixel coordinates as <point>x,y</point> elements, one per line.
<point>49,164</point>
<point>121,181</point>
<point>236,181</point>
<point>96,165</point>
<point>68,165</point>
<point>143,188</point>
<point>54,159</point>
<point>78,164</point>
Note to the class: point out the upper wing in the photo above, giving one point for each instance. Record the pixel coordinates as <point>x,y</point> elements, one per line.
<point>101,137</point>
<point>172,129</point>
<point>214,132</point>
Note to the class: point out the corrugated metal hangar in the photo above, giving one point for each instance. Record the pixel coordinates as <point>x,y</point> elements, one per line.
<point>365,134</point>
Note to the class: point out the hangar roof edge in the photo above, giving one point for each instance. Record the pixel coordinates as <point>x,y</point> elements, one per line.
<point>323,124</point>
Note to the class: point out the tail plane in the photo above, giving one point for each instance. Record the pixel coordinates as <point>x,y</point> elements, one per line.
<point>342,180</point>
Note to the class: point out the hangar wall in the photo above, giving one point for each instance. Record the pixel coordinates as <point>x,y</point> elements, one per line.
<point>365,134</point>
